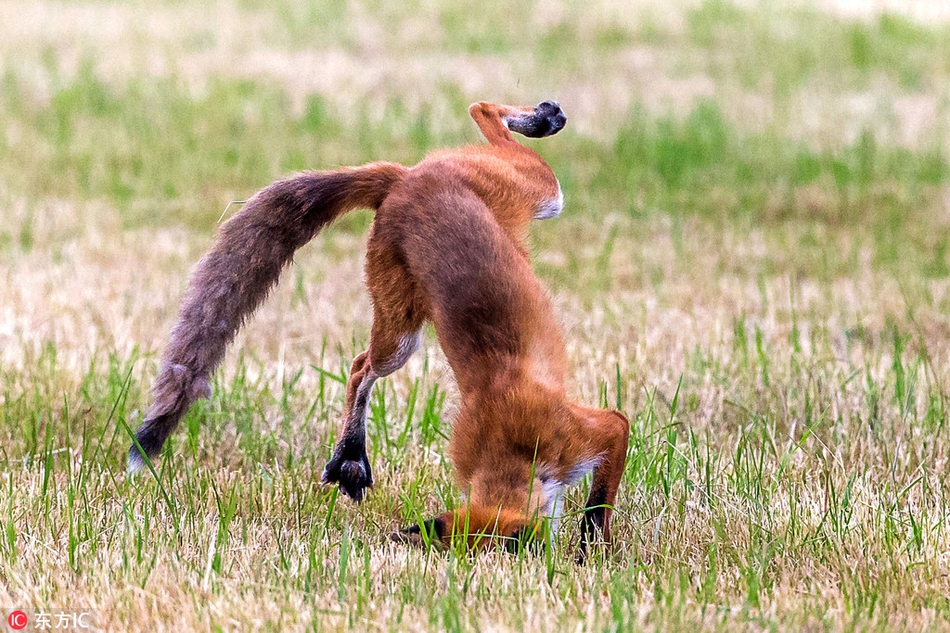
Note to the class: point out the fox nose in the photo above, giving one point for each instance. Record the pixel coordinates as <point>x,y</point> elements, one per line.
<point>549,108</point>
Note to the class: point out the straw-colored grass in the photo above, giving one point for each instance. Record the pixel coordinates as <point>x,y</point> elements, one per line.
<point>753,264</point>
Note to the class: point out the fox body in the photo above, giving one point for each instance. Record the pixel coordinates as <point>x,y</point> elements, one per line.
<point>447,246</point>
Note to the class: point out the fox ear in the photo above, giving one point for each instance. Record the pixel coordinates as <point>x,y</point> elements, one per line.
<point>413,535</point>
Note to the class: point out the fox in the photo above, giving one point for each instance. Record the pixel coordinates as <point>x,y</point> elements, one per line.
<point>447,246</point>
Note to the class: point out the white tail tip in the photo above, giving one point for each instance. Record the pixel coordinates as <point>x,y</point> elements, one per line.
<point>136,463</point>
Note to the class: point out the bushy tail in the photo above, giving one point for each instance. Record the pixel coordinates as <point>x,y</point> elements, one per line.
<point>232,280</point>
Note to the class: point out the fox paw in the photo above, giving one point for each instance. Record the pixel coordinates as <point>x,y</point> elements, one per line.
<point>353,475</point>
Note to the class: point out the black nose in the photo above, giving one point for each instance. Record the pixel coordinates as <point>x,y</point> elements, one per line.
<point>548,108</point>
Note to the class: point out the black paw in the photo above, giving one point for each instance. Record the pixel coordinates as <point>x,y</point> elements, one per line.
<point>352,472</point>
<point>546,120</point>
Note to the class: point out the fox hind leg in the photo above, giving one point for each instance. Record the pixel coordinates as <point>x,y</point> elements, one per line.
<point>395,336</point>
<point>350,465</point>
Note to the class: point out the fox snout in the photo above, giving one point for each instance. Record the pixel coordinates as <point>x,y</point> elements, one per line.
<point>476,528</point>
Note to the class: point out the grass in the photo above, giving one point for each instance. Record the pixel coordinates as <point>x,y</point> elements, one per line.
<point>752,264</point>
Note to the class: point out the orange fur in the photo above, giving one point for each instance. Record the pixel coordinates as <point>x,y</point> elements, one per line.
<point>447,246</point>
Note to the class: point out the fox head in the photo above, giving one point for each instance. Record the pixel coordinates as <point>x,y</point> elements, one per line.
<point>509,491</point>
<point>505,509</point>
<point>475,527</point>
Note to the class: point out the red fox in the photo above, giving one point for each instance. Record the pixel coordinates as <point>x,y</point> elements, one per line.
<point>448,246</point>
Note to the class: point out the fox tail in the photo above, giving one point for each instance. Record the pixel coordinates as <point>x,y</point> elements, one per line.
<point>232,280</point>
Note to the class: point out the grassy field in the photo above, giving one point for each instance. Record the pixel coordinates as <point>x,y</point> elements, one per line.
<point>753,264</point>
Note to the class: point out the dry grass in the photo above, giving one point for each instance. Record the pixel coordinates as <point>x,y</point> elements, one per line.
<point>780,343</point>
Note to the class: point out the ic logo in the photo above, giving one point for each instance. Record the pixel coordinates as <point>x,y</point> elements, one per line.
<point>17,620</point>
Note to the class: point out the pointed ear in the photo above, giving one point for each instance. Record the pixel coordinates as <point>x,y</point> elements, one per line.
<point>435,532</point>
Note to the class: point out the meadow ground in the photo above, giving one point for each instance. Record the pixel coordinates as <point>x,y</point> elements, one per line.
<point>753,264</point>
